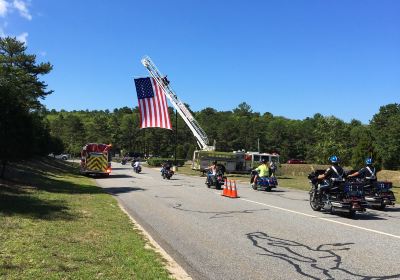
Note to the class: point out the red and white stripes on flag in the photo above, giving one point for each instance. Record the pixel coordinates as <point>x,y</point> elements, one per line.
<point>152,104</point>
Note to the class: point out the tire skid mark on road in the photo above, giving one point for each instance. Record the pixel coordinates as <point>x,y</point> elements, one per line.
<point>321,218</point>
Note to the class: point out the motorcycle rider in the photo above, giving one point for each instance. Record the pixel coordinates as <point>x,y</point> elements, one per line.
<point>368,172</point>
<point>212,171</point>
<point>166,167</point>
<point>262,171</point>
<point>334,173</point>
<point>136,164</point>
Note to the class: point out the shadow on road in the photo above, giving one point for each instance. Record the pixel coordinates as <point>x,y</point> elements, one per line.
<point>120,176</point>
<point>119,168</point>
<point>320,262</point>
<point>390,209</point>
<point>119,190</point>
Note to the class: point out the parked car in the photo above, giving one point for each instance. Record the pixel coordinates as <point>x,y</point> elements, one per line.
<point>295,161</point>
<point>61,156</point>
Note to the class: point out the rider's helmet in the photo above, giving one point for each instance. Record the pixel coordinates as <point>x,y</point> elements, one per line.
<point>214,162</point>
<point>264,160</point>
<point>368,161</point>
<point>334,159</point>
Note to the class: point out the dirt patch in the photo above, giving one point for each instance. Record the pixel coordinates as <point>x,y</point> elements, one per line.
<point>299,169</point>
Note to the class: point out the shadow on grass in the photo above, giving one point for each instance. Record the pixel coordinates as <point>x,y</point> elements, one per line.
<point>47,174</point>
<point>21,203</point>
<point>26,179</point>
<point>284,178</point>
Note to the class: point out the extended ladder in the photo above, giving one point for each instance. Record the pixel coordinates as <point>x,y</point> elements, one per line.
<point>198,132</point>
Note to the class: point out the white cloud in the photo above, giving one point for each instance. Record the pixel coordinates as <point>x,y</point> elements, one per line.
<point>22,8</point>
<point>3,8</point>
<point>23,37</point>
<point>2,28</point>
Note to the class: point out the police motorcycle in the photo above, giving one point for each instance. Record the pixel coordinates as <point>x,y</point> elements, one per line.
<point>263,183</point>
<point>166,172</point>
<point>342,196</point>
<point>378,194</point>
<point>217,180</point>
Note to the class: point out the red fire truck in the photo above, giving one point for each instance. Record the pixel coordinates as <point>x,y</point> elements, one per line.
<point>96,159</point>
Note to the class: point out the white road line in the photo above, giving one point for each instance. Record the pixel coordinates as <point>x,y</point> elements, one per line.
<point>324,219</point>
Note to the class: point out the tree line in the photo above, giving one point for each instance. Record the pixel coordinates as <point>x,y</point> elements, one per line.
<point>313,139</point>
<point>28,129</point>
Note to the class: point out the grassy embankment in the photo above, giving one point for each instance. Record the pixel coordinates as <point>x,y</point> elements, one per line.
<point>56,224</point>
<point>295,176</point>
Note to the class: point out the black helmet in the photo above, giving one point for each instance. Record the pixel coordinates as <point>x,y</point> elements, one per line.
<point>214,162</point>
<point>264,160</point>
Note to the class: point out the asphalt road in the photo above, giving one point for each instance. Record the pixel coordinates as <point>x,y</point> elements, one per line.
<point>260,235</point>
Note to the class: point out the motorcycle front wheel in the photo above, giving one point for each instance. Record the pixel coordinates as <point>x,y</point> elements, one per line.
<point>313,202</point>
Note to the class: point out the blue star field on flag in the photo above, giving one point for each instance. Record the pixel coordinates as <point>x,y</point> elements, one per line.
<point>144,88</point>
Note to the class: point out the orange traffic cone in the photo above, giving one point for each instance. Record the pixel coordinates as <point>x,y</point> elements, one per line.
<point>228,189</point>
<point>234,193</point>
<point>225,188</point>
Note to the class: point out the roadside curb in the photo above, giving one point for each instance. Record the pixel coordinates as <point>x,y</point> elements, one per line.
<point>172,266</point>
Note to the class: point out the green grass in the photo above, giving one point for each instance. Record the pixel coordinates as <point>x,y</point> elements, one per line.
<point>56,224</point>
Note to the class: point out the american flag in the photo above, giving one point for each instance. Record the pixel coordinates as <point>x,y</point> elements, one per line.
<point>152,104</point>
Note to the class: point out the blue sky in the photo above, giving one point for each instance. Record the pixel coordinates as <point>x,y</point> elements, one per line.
<point>290,58</point>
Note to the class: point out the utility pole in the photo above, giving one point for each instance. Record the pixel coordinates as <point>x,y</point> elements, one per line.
<point>176,135</point>
<point>258,144</point>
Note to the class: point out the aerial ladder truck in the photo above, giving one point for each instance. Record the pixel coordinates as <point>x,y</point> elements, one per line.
<point>233,161</point>
<point>162,82</point>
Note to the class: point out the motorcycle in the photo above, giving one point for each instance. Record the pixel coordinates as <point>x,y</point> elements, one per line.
<point>167,173</point>
<point>378,194</point>
<point>137,169</point>
<point>343,196</point>
<point>217,180</point>
<point>263,183</point>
